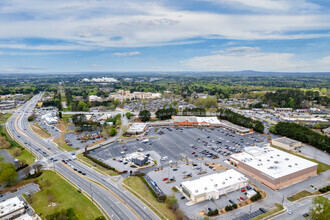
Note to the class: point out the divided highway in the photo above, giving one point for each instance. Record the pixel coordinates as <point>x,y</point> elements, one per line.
<point>117,204</point>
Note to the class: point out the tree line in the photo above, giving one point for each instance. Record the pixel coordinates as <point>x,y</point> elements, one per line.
<point>294,98</point>
<point>303,134</point>
<point>241,120</point>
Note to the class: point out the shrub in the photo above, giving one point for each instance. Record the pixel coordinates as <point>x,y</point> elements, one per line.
<point>256,197</point>
<point>213,213</point>
<point>234,206</point>
<point>324,189</point>
<point>229,208</point>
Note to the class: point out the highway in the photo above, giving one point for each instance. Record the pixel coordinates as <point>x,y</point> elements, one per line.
<point>116,203</point>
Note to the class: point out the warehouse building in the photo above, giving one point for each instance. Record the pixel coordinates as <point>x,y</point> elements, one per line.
<point>286,143</point>
<point>272,167</point>
<point>11,208</point>
<point>137,128</point>
<point>211,187</point>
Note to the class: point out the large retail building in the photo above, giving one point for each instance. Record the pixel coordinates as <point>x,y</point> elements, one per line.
<point>272,167</point>
<point>213,186</point>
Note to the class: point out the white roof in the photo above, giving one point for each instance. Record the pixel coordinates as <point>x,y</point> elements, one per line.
<point>24,217</point>
<point>272,162</point>
<point>214,182</point>
<point>208,120</point>
<point>137,127</point>
<point>10,205</point>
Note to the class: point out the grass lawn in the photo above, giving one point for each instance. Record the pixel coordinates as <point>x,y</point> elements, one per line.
<point>301,194</point>
<point>4,117</point>
<point>321,166</point>
<point>64,195</point>
<point>263,216</point>
<point>39,131</point>
<point>25,155</point>
<point>97,167</point>
<point>65,118</point>
<point>138,187</point>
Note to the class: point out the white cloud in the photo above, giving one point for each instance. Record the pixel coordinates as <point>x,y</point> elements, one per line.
<point>270,5</point>
<point>89,25</point>
<point>252,58</point>
<point>127,54</point>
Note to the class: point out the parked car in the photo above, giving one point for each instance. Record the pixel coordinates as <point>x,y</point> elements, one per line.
<point>243,190</point>
<point>242,198</point>
<point>165,179</point>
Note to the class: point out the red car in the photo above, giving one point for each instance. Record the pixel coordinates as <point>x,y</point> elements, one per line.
<point>242,198</point>
<point>165,179</point>
<point>243,190</point>
<point>193,153</point>
<point>122,146</point>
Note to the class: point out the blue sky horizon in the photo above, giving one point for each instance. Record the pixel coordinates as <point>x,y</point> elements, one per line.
<point>164,35</point>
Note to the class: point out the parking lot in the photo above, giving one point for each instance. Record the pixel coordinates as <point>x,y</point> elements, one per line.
<point>78,140</point>
<point>170,145</point>
<point>170,177</point>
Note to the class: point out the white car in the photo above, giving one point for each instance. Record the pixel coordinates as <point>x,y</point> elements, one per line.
<point>290,212</point>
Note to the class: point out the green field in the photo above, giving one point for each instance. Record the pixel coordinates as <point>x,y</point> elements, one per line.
<point>55,190</point>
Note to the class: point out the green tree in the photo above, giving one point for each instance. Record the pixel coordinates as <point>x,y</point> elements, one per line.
<point>291,102</point>
<point>116,102</point>
<point>320,209</point>
<point>171,202</point>
<point>112,132</point>
<point>128,115</point>
<point>144,115</point>
<point>8,173</point>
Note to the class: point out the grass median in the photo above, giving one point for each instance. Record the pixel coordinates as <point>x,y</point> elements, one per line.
<point>58,198</point>
<point>97,167</point>
<point>301,195</point>
<point>39,131</point>
<point>267,214</point>
<point>140,190</point>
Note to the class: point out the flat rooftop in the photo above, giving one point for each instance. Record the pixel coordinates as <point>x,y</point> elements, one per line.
<point>10,205</point>
<point>214,182</point>
<point>237,127</point>
<point>185,118</point>
<point>137,127</point>
<point>287,141</point>
<point>208,120</point>
<point>272,162</point>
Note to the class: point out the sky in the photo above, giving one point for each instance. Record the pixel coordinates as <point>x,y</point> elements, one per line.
<point>164,35</point>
